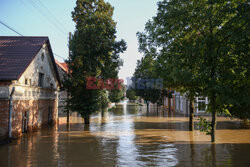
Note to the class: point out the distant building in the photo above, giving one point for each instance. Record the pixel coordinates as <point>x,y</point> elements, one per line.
<point>63,70</point>
<point>169,102</point>
<point>180,104</point>
<point>29,85</point>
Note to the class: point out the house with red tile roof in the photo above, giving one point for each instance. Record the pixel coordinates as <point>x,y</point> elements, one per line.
<point>29,85</point>
<point>62,66</point>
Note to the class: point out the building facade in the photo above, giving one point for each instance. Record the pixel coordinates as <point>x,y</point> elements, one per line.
<point>63,95</point>
<point>180,104</point>
<point>29,85</point>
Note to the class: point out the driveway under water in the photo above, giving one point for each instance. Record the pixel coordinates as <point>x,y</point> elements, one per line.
<point>126,136</point>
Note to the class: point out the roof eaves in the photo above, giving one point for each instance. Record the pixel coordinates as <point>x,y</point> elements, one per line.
<point>53,62</point>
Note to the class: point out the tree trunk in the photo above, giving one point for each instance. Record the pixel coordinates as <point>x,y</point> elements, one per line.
<point>157,108</point>
<point>86,127</point>
<point>213,126</point>
<point>213,151</point>
<point>191,115</point>
<point>67,116</point>
<point>213,123</point>
<point>147,107</point>
<point>102,112</point>
<point>68,127</point>
<point>86,119</point>
<point>163,109</point>
<point>192,148</point>
<point>169,104</point>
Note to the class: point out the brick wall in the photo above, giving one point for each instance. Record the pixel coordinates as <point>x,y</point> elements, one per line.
<point>4,118</point>
<point>37,112</point>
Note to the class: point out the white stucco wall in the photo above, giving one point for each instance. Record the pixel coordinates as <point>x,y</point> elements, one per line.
<point>43,66</point>
<point>31,90</point>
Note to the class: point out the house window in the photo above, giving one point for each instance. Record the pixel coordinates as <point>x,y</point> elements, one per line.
<point>41,80</point>
<point>26,81</point>
<point>42,57</point>
<point>201,98</point>
<point>30,82</point>
<point>201,104</point>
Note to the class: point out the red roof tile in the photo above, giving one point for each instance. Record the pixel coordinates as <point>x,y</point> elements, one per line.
<point>63,66</point>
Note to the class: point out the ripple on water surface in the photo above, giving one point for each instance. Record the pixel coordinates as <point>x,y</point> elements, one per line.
<point>125,136</point>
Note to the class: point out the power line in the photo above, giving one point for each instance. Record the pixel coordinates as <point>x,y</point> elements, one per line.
<point>44,14</point>
<point>55,18</point>
<point>59,56</point>
<point>33,10</point>
<point>22,35</point>
<point>10,28</point>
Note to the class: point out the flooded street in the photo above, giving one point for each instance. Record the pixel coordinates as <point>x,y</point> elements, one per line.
<point>125,136</point>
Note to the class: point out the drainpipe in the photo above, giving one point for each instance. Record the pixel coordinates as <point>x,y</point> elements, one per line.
<point>10,111</point>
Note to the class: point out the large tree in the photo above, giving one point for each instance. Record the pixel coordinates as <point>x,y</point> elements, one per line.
<point>204,46</point>
<point>94,52</point>
<point>118,93</point>
<point>147,84</point>
<point>130,94</point>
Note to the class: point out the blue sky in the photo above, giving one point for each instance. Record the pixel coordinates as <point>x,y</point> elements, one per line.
<point>24,17</point>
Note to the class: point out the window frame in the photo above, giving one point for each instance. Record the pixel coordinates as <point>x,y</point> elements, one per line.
<point>41,77</point>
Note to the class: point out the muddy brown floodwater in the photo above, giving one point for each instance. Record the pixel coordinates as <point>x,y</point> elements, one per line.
<point>126,136</point>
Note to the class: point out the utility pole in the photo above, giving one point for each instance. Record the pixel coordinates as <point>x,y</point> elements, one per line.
<point>68,112</point>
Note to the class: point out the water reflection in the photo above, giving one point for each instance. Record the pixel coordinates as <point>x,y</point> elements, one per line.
<point>126,136</point>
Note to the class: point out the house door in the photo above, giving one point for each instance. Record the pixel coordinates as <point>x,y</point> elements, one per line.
<point>50,115</point>
<point>25,122</point>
